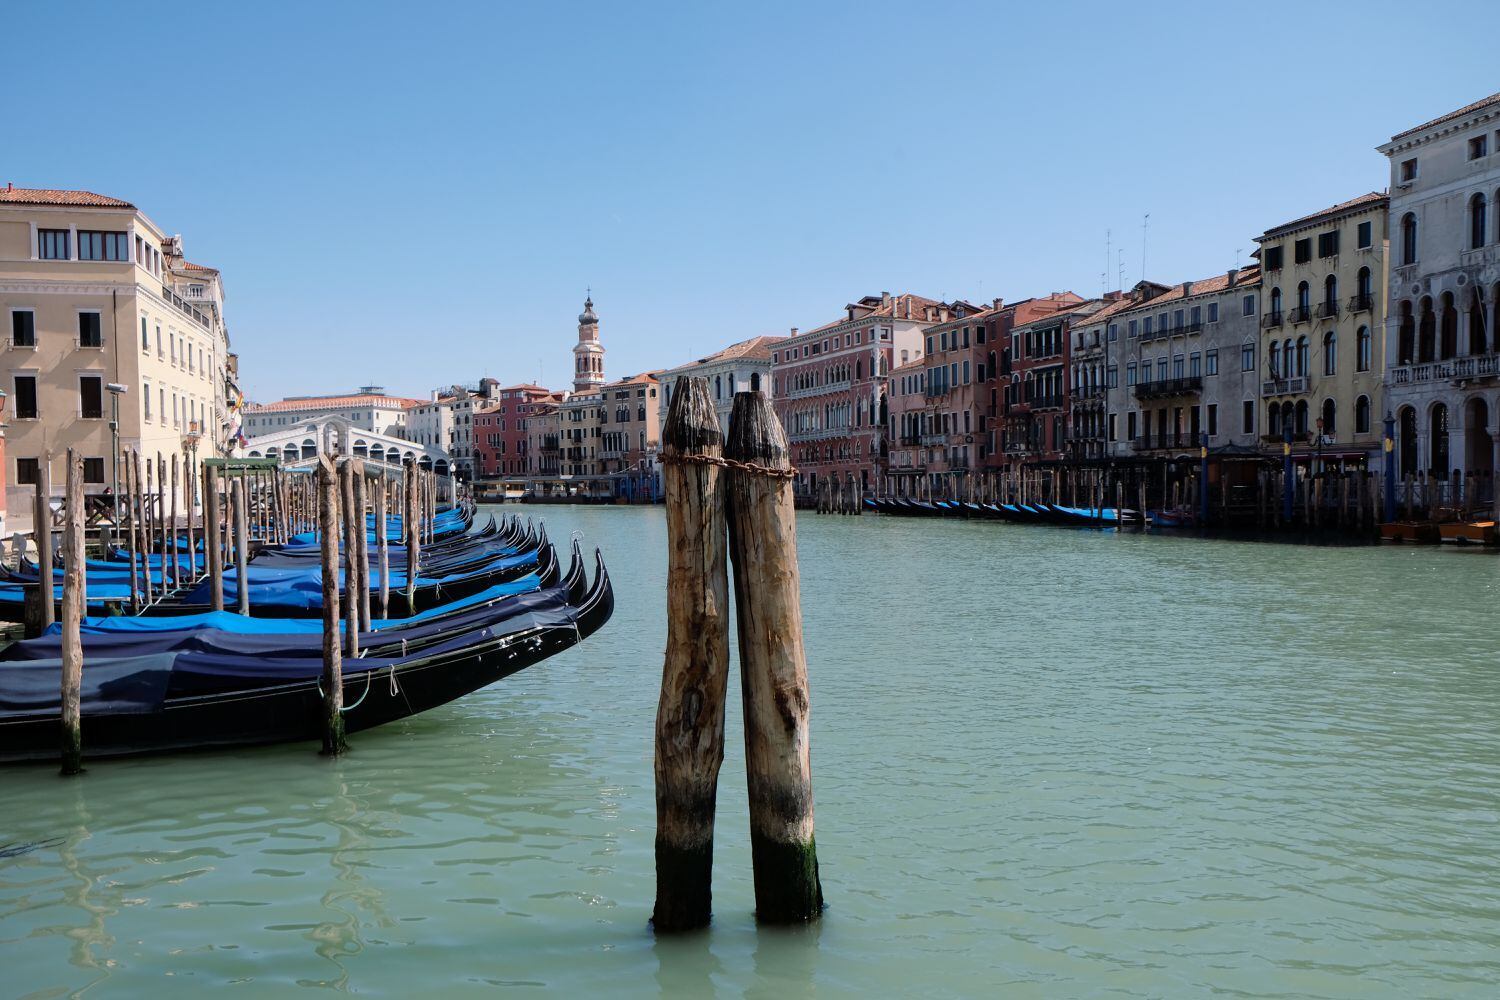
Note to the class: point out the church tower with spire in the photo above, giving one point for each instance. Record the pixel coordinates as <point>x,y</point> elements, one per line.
<point>588,356</point>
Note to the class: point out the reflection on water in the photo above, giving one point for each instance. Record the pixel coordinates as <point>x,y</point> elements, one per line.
<point>1047,762</point>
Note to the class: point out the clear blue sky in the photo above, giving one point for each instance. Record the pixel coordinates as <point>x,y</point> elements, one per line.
<point>429,188</point>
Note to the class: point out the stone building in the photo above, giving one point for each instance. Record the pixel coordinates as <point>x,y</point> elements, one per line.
<point>369,409</point>
<point>742,366</point>
<point>502,432</point>
<point>1441,358</point>
<point>1323,332</point>
<point>1185,365</point>
<point>103,311</point>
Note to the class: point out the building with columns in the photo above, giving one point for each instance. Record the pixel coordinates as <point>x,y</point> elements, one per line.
<point>1443,370</point>
<point>743,366</point>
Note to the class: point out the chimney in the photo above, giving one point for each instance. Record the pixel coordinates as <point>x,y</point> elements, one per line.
<point>1234,273</point>
<point>9,186</point>
<point>999,303</point>
<point>885,299</point>
<point>1187,289</point>
<point>794,331</point>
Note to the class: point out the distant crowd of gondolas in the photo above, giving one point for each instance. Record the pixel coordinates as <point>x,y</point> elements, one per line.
<point>489,601</point>
<point>1025,513</point>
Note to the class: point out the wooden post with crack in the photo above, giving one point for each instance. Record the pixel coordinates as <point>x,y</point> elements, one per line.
<point>333,667</point>
<point>773,665</point>
<point>695,672</point>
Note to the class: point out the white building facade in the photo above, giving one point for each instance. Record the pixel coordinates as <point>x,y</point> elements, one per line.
<point>741,367</point>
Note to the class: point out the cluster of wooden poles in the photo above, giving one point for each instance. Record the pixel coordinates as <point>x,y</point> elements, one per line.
<point>334,506</point>
<point>839,495</point>
<point>739,491</point>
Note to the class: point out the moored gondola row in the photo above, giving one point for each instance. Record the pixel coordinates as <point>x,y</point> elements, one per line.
<point>478,603</point>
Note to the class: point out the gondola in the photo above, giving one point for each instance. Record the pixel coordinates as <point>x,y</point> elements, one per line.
<point>170,701</point>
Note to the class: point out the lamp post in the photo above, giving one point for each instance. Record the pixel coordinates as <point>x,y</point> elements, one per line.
<point>116,390</point>
<point>190,445</point>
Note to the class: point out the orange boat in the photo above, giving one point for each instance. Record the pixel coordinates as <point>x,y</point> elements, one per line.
<point>1470,532</point>
<point>1415,532</point>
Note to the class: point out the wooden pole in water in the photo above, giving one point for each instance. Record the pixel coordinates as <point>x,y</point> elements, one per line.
<point>72,615</point>
<point>213,551</point>
<point>383,544</point>
<point>132,537</point>
<point>410,523</point>
<point>238,505</point>
<point>172,529</point>
<point>189,499</point>
<point>773,667</point>
<point>43,612</point>
<point>142,515</point>
<point>333,667</point>
<point>695,671</point>
<point>351,559</point>
<point>361,543</point>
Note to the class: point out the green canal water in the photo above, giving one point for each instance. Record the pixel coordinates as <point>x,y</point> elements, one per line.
<point>1047,763</point>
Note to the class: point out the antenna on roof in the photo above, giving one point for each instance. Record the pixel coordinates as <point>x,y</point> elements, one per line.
<point>1145,221</point>
<point>1108,255</point>
<point>1122,269</point>
<point>1236,258</point>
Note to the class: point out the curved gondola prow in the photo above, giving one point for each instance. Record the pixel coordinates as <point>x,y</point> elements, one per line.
<point>546,567</point>
<point>599,603</point>
<point>576,579</point>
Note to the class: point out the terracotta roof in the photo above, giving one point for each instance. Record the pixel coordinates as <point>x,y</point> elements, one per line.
<point>756,348</point>
<point>330,402</point>
<point>1244,277</point>
<point>1363,201</point>
<point>189,266</point>
<point>54,196</point>
<point>528,387</point>
<point>641,379</point>
<point>1482,103</point>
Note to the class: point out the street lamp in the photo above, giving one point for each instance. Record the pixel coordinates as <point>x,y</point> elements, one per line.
<point>190,445</point>
<point>115,391</point>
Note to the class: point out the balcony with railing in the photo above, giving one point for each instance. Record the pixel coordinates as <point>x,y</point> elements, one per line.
<point>1046,402</point>
<point>1361,302</point>
<point>1173,441</point>
<point>1283,386</point>
<point>186,308</point>
<point>1480,366</point>
<point>1301,314</point>
<point>1165,387</point>
<point>1328,310</point>
<point>1271,319</point>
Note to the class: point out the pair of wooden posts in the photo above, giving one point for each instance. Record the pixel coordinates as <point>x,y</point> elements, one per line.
<point>745,483</point>
<point>341,503</point>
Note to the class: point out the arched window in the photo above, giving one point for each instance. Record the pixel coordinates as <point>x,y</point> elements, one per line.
<point>1273,420</point>
<point>1288,359</point>
<point>755,381</point>
<point>1363,349</point>
<point>1288,417</point>
<point>1330,413</point>
<point>1440,466</point>
<point>1330,353</point>
<point>1427,332</point>
<point>1449,326</point>
<point>1303,365</point>
<point>1408,238</point>
<point>1364,289</point>
<point>1330,296</point>
<point>1406,422</point>
<point>731,385</point>
<point>1273,357</point>
<point>1362,415</point>
<point>1478,226</point>
<point>1301,411</point>
<point>1276,305</point>
<point>1304,303</point>
<point>1406,341</point>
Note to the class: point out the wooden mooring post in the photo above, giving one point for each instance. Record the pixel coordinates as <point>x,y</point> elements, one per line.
<point>410,525</point>
<point>773,665</point>
<point>238,503</point>
<point>40,610</point>
<point>695,672</point>
<point>213,550</point>
<point>73,606</point>
<point>333,667</point>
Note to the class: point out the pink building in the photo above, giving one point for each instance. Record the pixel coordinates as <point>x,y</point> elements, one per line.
<point>829,385</point>
<point>500,431</point>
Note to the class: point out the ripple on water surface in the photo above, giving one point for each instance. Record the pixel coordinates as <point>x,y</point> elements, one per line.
<point>1046,761</point>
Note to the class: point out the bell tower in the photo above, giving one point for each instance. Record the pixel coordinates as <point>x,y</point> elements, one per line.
<point>588,356</point>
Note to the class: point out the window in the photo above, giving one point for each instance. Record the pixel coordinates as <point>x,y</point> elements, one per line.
<point>1479,146</point>
<point>23,328</point>
<point>1130,425</point>
<point>1328,244</point>
<point>1213,312</point>
<point>1272,257</point>
<point>160,350</point>
<point>1112,423</point>
<point>52,244</point>
<point>1408,170</point>
<point>1130,374</point>
<point>1409,237</point>
<point>26,397</point>
<point>1177,366</point>
<point>1195,365</point>
<point>1302,250</point>
<point>1362,343</point>
<point>1213,419</point>
<point>1330,353</point>
<point>88,330</point>
<point>93,470</point>
<point>1362,415</point>
<point>1247,306</point>
<point>1112,376</point>
<point>146,397</point>
<point>1247,417</point>
<point>1364,235</point>
<point>1211,362</point>
<point>1114,332</point>
<point>1302,356</point>
<point>1478,229</point>
<point>145,336</point>
<point>1134,331</point>
<point>1146,326</point>
<point>93,245</point>
<point>90,397</point>
<point>28,471</point>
